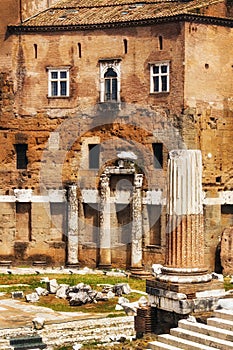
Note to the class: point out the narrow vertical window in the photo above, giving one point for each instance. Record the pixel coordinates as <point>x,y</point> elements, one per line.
<point>35,50</point>
<point>160,42</point>
<point>157,155</point>
<point>21,156</point>
<point>58,221</point>
<point>94,156</point>
<point>125,46</point>
<point>23,222</point>
<point>154,215</point>
<point>79,50</point>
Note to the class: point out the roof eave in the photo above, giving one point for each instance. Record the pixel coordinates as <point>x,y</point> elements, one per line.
<point>227,22</point>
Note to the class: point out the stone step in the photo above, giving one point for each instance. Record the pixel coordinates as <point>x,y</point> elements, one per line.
<point>156,345</point>
<point>225,314</point>
<point>206,329</point>
<point>220,323</point>
<point>202,339</point>
<point>181,343</point>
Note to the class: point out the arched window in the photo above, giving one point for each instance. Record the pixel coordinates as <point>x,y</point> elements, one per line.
<point>110,85</point>
<point>110,80</point>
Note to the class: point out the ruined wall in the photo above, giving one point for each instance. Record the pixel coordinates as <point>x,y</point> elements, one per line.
<point>208,118</point>
<point>57,132</point>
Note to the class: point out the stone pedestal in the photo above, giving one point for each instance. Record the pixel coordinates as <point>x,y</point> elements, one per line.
<point>72,235</point>
<point>105,224</point>
<point>184,285</point>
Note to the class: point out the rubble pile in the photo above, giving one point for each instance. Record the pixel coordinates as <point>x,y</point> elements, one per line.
<point>79,294</point>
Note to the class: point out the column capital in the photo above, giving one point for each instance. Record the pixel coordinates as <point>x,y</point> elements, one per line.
<point>138,179</point>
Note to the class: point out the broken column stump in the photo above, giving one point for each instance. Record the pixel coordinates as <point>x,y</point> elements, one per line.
<point>184,285</point>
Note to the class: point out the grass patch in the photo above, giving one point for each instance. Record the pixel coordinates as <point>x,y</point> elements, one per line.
<point>227,284</point>
<point>61,305</point>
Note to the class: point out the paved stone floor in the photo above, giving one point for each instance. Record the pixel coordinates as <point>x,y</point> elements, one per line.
<point>15,313</point>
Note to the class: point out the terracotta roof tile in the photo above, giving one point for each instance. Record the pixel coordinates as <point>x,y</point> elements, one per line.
<point>89,12</point>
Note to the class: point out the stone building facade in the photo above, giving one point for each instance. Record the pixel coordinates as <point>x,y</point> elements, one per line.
<point>94,96</point>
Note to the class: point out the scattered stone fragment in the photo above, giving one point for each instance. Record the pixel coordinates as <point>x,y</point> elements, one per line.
<point>110,295</point>
<point>52,286</point>
<point>38,323</point>
<point>225,304</point>
<point>101,297</point>
<point>143,301</point>
<point>121,288</point>
<point>80,298</point>
<point>44,280</point>
<point>157,269</point>
<point>41,291</point>
<point>62,291</point>
<point>17,295</point>
<point>118,307</point>
<point>191,319</point>
<point>122,300</point>
<point>130,308</point>
<point>32,298</point>
<point>217,276</point>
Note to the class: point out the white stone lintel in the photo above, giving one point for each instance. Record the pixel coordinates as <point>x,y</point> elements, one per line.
<point>57,195</point>
<point>23,195</point>
<point>225,197</point>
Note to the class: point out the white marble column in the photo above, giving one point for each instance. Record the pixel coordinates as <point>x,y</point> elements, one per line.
<point>185,236</point>
<point>136,245</point>
<point>72,236</point>
<point>105,224</point>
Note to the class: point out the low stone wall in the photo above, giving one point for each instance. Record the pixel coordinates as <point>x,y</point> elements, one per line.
<point>100,330</point>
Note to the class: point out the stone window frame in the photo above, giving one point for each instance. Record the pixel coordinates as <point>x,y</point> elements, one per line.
<point>59,80</point>
<point>86,141</point>
<point>93,156</point>
<point>115,65</point>
<point>159,75</point>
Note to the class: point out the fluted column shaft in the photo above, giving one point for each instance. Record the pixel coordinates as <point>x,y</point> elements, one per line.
<point>185,241</point>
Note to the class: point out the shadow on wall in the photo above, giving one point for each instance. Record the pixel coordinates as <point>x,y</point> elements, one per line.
<point>218,266</point>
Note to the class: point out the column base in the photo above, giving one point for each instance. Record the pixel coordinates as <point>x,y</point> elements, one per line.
<point>105,266</point>
<point>184,275</point>
<point>139,272</point>
<point>72,265</point>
